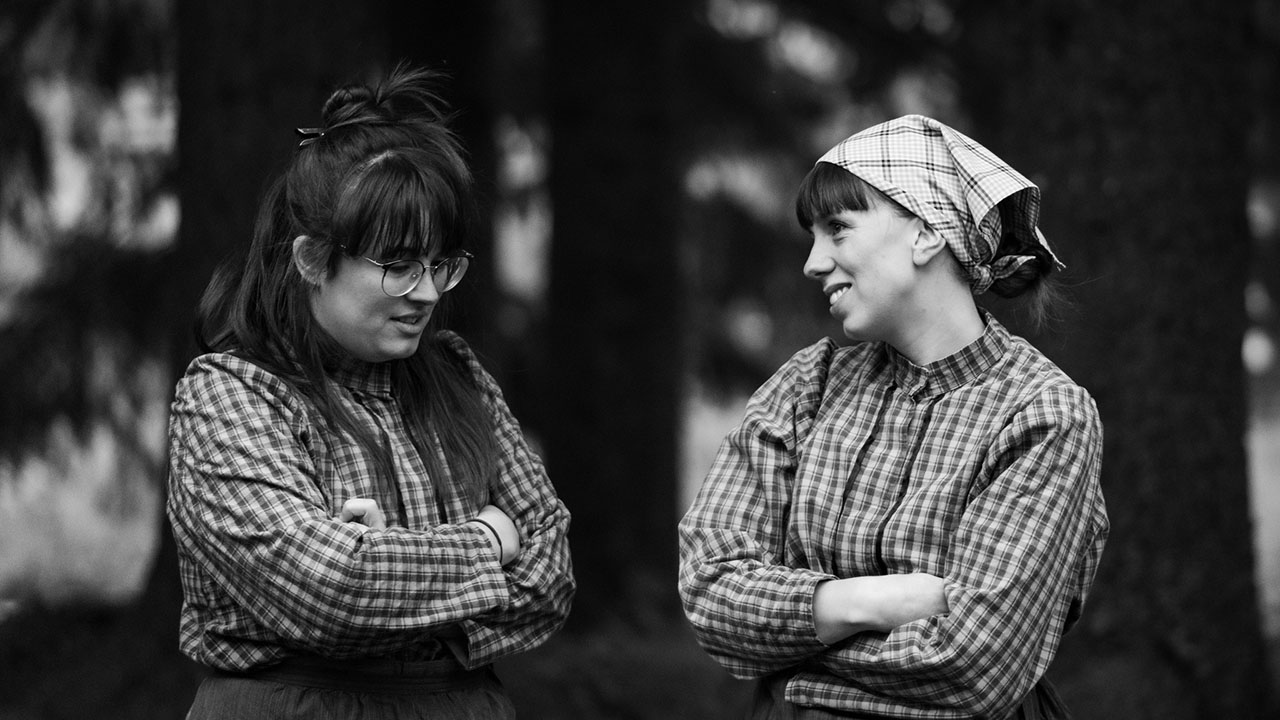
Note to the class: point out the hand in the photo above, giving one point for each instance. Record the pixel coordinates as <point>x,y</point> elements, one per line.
<point>363,511</point>
<point>875,602</point>
<point>508,538</point>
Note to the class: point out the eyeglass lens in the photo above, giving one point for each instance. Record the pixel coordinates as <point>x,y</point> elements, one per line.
<point>400,278</point>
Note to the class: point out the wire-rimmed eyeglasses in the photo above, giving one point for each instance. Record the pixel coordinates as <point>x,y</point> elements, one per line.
<point>400,277</point>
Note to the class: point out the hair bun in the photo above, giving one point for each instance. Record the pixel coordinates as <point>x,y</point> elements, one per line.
<point>346,104</point>
<point>406,93</point>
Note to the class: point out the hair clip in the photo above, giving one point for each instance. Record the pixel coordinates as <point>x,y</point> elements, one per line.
<point>308,135</point>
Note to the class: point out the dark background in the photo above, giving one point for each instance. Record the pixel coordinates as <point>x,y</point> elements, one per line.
<point>639,274</point>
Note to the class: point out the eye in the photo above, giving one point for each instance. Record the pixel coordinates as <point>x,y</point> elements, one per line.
<point>403,269</point>
<point>837,229</point>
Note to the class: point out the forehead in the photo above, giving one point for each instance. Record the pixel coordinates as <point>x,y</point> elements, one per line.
<point>402,238</point>
<point>390,211</point>
<point>401,251</point>
<point>851,214</point>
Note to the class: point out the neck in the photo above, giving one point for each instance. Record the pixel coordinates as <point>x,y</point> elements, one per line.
<point>942,327</point>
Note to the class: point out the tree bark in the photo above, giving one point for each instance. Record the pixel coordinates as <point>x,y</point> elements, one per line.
<point>248,75</point>
<point>1132,117</point>
<point>615,346</point>
<point>457,39</point>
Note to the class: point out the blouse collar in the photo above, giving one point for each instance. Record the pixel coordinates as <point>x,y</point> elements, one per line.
<point>363,377</point>
<point>953,371</point>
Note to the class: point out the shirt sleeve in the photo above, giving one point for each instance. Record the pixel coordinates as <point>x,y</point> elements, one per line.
<point>1018,566</point>
<point>749,611</point>
<point>246,504</point>
<point>540,582</point>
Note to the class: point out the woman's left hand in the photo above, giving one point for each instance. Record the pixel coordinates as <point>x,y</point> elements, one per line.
<point>363,511</point>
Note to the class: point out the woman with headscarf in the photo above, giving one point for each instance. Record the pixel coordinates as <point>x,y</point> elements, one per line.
<point>905,527</point>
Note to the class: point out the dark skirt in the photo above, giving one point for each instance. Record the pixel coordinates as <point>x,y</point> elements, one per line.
<point>770,703</point>
<point>318,689</point>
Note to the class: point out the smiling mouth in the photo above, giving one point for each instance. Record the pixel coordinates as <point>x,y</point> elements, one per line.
<point>836,293</point>
<point>410,320</point>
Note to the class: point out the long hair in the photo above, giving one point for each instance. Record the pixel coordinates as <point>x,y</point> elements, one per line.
<point>384,176</point>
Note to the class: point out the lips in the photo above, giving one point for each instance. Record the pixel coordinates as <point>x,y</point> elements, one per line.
<point>835,292</point>
<point>413,320</point>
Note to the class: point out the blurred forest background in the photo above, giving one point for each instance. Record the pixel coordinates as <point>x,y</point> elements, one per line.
<point>640,274</point>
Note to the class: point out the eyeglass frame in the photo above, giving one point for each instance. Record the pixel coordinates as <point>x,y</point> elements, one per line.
<point>426,270</point>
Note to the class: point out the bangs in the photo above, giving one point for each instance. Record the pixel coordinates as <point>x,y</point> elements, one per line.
<point>400,204</point>
<point>829,189</point>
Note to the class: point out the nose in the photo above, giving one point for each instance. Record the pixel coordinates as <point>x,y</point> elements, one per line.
<point>425,292</point>
<point>819,262</point>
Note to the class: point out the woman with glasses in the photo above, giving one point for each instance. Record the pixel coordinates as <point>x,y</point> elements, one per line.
<point>906,525</point>
<point>362,528</point>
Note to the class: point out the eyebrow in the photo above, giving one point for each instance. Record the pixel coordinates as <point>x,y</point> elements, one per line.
<point>401,252</point>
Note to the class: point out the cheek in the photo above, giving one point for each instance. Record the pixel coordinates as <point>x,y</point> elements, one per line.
<point>347,309</point>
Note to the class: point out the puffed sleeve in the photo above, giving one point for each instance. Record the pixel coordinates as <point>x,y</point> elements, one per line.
<point>540,582</point>
<point>247,507</point>
<point>749,611</point>
<point>1017,570</point>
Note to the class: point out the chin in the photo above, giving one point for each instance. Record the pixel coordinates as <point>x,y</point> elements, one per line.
<point>387,354</point>
<point>857,333</point>
<point>401,354</point>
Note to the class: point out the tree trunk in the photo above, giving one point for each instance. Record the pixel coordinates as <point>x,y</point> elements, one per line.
<point>457,38</point>
<point>615,346</point>
<point>1132,118</point>
<point>248,75</point>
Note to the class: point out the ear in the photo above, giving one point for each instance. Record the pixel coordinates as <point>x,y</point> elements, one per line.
<point>926,246</point>
<point>309,258</point>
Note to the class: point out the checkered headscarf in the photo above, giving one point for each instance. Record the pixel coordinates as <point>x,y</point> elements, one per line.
<point>963,191</point>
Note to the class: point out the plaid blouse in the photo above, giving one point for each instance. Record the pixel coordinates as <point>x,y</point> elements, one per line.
<point>981,468</point>
<point>268,572</point>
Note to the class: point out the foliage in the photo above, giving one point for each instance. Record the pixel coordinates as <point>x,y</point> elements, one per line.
<point>771,87</point>
<point>90,293</point>
<point>88,212</point>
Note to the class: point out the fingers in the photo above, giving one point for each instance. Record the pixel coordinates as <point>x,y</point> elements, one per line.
<point>364,510</point>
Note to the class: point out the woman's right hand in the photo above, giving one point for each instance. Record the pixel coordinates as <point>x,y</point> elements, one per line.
<point>508,540</point>
<point>875,602</point>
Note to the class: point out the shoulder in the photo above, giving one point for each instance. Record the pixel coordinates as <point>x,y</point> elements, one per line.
<point>1044,389</point>
<point>458,353</point>
<point>806,367</point>
<point>801,382</point>
<point>452,342</point>
<point>457,350</point>
<point>227,380</point>
<point>818,364</point>
<point>813,362</point>
<point>857,356</point>
<point>221,368</point>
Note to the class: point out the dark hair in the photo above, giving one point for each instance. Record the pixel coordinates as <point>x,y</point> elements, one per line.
<point>828,189</point>
<point>385,176</point>
<point>1039,294</point>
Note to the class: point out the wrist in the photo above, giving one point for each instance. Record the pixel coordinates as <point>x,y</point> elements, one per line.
<point>841,610</point>
<point>495,541</point>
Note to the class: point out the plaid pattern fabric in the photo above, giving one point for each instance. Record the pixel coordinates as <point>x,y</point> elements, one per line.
<point>955,185</point>
<point>981,468</point>
<point>256,481</point>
